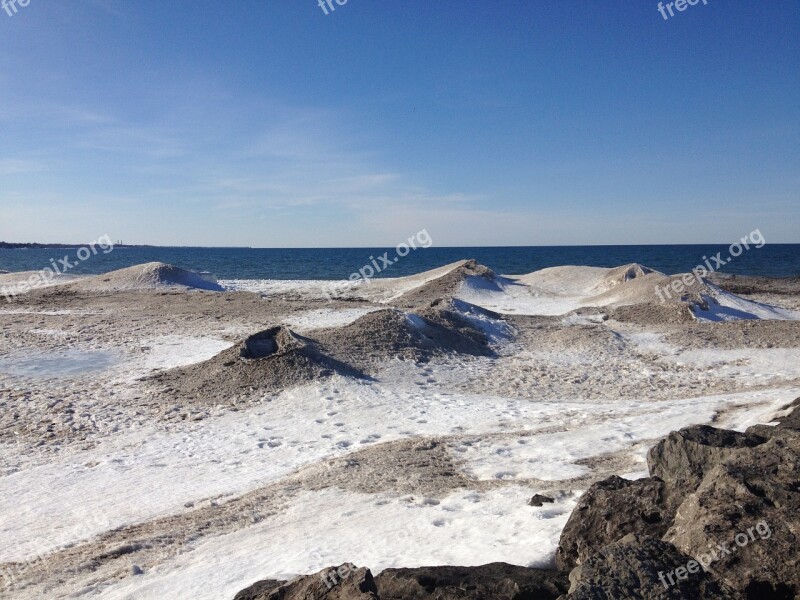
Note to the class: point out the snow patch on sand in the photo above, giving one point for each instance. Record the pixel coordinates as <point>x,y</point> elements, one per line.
<point>379,531</point>
<point>322,318</point>
<point>724,306</point>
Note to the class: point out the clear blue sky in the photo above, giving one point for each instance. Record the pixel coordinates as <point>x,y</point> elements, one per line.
<point>269,123</point>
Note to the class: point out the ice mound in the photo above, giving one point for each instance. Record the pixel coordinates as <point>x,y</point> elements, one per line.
<point>625,273</point>
<point>268,361</point>
<point>630,292</point>
<point>447,283</point>
<point>148,276</point>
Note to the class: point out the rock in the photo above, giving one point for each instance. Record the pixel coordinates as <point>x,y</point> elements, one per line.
<point>639,568</point>
<point>684,457</point>
<point>608,511</point>
<point>136,570</point>
<point>496,581</point>
<point>792,420</point>
<point>747,512</point>
<point>539,500</point>
<point>345,582</point>
<point>258,590</point>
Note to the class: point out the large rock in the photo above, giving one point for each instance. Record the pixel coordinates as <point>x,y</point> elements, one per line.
<point>637,568</point>
<point>496,581</point>
<point>259,589</point>
<point>744,519</point>
<point>684,457</point>
<point>608,511</point>
<point>792,420</point>
<point>345,582</point>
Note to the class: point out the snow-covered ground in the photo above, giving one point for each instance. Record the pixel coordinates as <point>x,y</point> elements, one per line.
<point>558,415</point>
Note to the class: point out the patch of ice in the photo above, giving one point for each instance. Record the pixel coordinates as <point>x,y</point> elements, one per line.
<point>416,321</point>
<point>59,364</point>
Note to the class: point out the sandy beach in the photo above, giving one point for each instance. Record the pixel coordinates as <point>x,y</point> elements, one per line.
<point>161,440</point>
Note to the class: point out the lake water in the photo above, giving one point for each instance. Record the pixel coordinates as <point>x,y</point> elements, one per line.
<point>338,263</point>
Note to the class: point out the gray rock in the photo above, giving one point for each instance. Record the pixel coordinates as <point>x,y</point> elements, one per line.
<point>259,590</point>
<point>496,581</point>
<point>345,582</point>
<point>608,511</point>
<point>637,568</point>
<point>684,457</point>
<point>539,500</point>
<point>792,420</point>
<point>744,519</point>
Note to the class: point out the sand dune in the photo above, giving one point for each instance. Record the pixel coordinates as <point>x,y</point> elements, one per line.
<point>145,277</point>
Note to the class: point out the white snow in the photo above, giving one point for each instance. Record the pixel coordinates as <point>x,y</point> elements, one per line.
<point>170,351</point>
<point>554,456</point>
<point>380,531</point>
<point>134,476</point>
<point>724,306</point>
<point>327,317</point>
<point>758,365</point>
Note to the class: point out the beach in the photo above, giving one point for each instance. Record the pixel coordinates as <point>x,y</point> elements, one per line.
<point>160,439</point>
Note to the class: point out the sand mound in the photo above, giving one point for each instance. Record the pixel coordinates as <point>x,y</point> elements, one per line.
<point>571,281</point>
<point>379,336</point>
<point>269,361</point>
<point>625,273</point>
<point>449,283</point>
<point>631,293</point>
<point>145,277</point>
<point>277,358</point>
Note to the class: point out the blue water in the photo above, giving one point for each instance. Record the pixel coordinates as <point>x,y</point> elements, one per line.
<point>245,263</point>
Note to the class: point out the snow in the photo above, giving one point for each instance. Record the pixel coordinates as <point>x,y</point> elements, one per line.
<point>554,456</point>
<point>380,531</point>
<point>724,306</point>
<point>309,290</point>
<point>496,330</point>
<point>758,365</point>
<point>326,317</point>
<point>170,351</point>
<point>135,476</point>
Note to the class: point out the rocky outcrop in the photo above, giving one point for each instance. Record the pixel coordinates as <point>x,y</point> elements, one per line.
<point>643,567</point>
<point>259,590</point>
<point>744,519</point>
<point>496,581</point>
<point>729,501</point>
<point>608,511</point>
<point>684,457</point>
<point>345,582</point>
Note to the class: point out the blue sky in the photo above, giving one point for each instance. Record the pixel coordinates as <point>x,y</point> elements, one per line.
<point>268,123</point>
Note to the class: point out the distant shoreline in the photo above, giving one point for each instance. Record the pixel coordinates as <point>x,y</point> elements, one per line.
<point>16,246</point>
